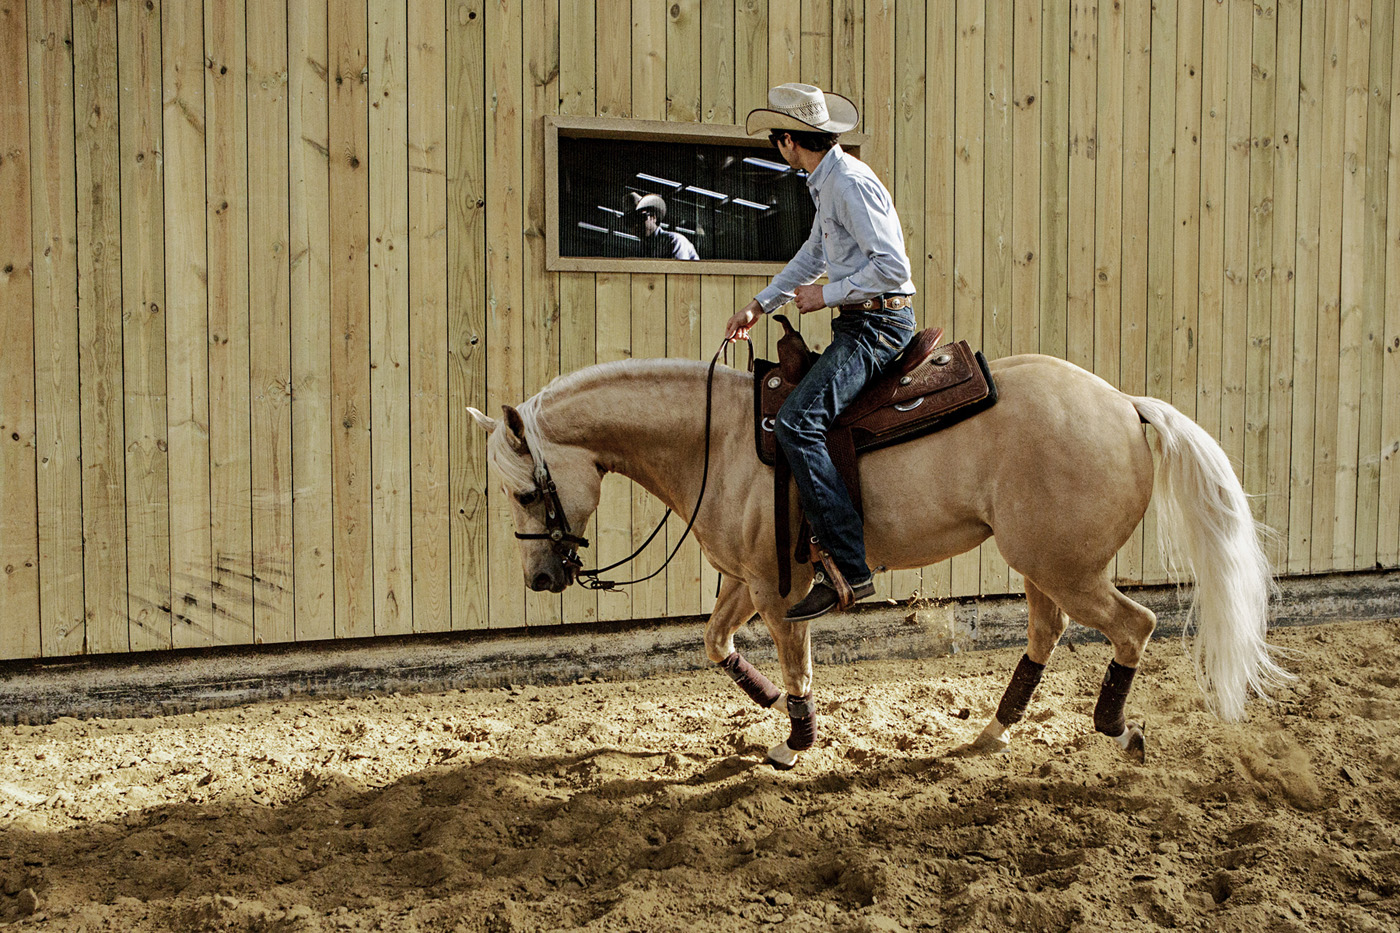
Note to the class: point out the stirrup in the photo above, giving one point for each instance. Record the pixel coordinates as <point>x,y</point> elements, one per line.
<point>845,596</point>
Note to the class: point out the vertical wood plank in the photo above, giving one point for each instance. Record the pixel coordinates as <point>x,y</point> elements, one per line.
<point>577,290</point>
<point>269,322</point>
<point>53,200</point>
<point>1354,173</point>
<point>1083,150</point>
<point>19,485</point>
<point>539,96</point>
<point>505,378</point>
<point>390,363</point>
<point>143,331</point>
<point>969,113</point>
<point>1284,295</point>
<point>100,326</point>
<point>1236,291</point>
<point>997,179</point>
<point>785,25</point>
<point>1215,56</point>
<point>1107,272</point>
<point>1388,512</point>
<point>1055,160</point>
<point>1307,264</point>
<point>855,25</point>
<point>313,537</point>
<point>1186,241</point>
<point>427,309</point>
<point>187,323</point>
<point>1372,326</point>
<point>816,43</point>
<point>719,43</point>
<point>1161,202</point>
<point>1263,202</point>
<point>1136,230</point>
<point>347,35</point>
<point>1026,235</point>
<point>683,61</point>
<point>466,310</point>
<point>1331,231</point>
<point>226,230</point>
<point>752,28</point>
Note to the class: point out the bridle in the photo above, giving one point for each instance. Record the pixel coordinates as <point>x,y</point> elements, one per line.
<point>565,543</point>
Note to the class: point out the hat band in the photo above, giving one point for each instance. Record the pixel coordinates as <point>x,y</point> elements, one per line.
<point>814,112</point>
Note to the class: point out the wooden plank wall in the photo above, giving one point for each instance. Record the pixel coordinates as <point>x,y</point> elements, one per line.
<point>259,255</point>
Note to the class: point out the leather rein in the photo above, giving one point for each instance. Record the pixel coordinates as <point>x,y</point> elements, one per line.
<point>565,543</point>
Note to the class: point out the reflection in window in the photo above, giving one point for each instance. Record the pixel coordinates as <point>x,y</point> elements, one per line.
<point>679,200</point>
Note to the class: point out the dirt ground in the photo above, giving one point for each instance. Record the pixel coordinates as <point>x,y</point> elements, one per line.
<point>646,806</point>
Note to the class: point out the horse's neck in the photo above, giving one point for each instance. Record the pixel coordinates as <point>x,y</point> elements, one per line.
<point>645,420</point>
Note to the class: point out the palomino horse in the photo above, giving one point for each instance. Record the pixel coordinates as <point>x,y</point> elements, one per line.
<point>1060,470</point>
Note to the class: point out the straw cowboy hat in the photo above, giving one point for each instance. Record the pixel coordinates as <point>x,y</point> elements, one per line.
<point>803,108</point>
<point>651,202</point>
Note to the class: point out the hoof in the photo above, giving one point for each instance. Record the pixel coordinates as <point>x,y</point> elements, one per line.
<point>782,758</point>
<point>987,743</point>
<point>1133,741</point>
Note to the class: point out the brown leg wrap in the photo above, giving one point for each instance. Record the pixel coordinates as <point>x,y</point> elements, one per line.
<point>1113,695</point>
<point>804,723</point>
<point>759,688</point>
<point>1018,693</point>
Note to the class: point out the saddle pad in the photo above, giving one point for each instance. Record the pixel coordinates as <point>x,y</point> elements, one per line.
<point>953,384</point>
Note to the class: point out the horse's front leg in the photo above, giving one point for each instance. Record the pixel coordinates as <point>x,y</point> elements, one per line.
<point>733,607</point>
<point>794,643</point>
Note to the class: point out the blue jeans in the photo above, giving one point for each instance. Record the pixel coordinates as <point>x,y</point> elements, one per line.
<point>862,344</point>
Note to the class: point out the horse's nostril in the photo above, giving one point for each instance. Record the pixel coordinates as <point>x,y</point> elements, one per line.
<point>542,582</point>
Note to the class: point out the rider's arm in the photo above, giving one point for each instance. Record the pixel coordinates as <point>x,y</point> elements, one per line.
<point>808,265</point>
<point>866,212</point>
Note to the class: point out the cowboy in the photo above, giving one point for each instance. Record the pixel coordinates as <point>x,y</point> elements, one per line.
<point>857,242</point>
<point>645,217</point>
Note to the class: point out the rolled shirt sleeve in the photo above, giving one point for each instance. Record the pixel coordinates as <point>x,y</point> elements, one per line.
<point>804,268</point>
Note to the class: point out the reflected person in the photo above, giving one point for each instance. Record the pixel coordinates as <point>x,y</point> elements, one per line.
<point>644,217</point>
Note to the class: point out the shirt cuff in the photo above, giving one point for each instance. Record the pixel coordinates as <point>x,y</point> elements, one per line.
<point>771,299</point>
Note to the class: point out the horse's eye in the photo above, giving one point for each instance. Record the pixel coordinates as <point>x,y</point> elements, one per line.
<point>526,498</point>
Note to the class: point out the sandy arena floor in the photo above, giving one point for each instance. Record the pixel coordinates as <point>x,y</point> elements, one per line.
<point>645,806</point>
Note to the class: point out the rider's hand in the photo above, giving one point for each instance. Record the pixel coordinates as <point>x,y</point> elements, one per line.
<point>743,319</point>
<point>809,298</point>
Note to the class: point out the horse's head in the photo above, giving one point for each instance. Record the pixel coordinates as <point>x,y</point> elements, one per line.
<point>553,490</point>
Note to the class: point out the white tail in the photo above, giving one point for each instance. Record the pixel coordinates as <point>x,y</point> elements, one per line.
<point>1206,530</point>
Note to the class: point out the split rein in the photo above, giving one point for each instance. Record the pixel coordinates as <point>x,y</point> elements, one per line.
<point>565,543</point>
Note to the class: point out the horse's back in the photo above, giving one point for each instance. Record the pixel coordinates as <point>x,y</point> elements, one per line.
<point>1059,470</point>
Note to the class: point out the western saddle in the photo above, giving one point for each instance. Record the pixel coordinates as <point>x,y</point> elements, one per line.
<point>928,387</point>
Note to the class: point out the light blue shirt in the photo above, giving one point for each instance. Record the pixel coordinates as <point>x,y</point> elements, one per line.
<point>856,239</point>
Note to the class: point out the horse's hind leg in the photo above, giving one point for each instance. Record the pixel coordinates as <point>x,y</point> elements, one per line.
<point>733,608</point>
<point>1047,624</point>
<point>1127,625</point>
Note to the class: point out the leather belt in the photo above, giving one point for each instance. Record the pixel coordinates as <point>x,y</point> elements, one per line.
<point>884,302</point>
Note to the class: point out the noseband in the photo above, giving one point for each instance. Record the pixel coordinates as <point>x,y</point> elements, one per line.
<point>565,543</point>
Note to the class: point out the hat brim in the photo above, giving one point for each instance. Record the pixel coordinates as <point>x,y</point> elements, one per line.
<point>842,117</point>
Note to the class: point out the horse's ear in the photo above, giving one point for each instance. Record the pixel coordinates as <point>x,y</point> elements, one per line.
<point>516,424</point>
<point>488,423</point>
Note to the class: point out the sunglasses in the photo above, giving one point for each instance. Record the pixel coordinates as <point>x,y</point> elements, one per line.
<point>775,138</point>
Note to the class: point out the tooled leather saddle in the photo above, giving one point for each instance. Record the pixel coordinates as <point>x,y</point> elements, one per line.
<point>928,387</point>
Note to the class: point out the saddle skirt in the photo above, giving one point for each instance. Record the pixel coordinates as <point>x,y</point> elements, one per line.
<point>926,388</point>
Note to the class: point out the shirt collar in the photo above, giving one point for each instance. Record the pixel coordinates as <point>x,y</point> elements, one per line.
<point>824,168</point>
